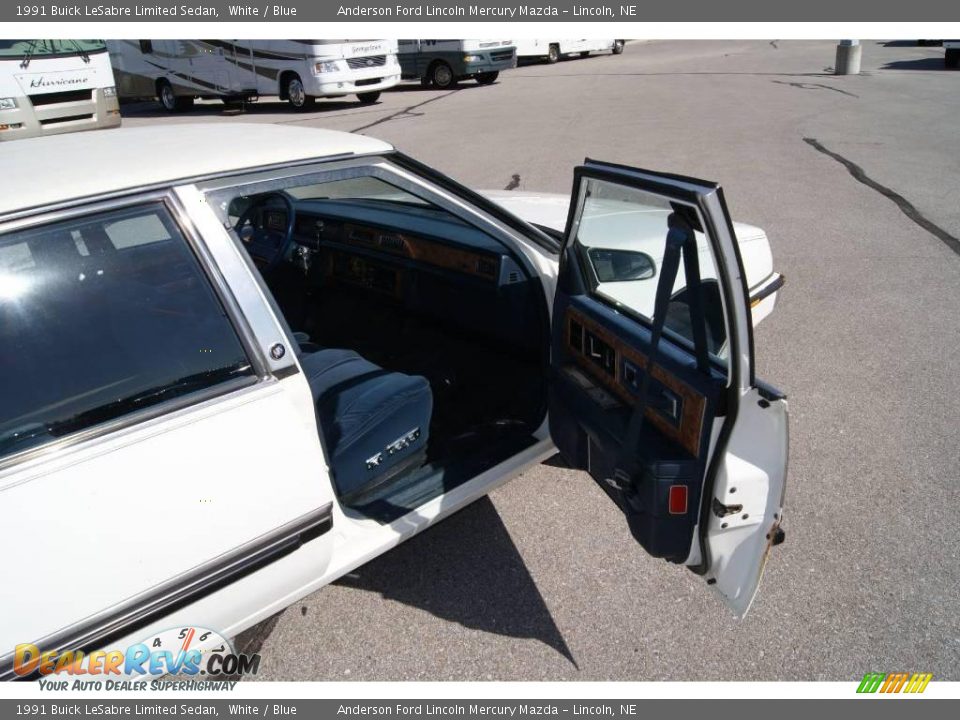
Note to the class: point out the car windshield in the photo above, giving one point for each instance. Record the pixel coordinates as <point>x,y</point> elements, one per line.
<point>360,188</point>
<point>19,48</point>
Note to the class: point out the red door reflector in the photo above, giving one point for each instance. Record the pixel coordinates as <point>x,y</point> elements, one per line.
<point>677,500</point>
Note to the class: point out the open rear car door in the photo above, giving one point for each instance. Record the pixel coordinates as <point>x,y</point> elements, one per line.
<point>652,387</point>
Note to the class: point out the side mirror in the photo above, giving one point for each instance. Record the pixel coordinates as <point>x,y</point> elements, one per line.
<point>621,265</point>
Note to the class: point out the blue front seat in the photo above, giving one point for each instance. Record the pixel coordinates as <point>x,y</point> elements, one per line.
<point>375,423</point>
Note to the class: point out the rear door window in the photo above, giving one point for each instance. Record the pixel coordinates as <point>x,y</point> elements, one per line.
<point>102,316</point>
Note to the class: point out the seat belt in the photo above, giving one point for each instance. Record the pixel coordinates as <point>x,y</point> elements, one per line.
<point>698,322</point>
<point>681,240</point>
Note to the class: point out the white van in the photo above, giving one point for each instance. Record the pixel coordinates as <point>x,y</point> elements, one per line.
<point>55,86</point>
<point>553,50</point>
<point>177,72</point>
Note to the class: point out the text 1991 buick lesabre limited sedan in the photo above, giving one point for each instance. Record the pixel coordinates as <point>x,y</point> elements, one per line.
<point>237,362</point>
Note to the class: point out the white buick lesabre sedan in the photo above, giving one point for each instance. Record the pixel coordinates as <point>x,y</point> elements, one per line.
<point>238,361</point>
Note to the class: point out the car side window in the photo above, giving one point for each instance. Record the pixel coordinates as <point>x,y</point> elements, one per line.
<point>102,316</point>
<point>621,242</point>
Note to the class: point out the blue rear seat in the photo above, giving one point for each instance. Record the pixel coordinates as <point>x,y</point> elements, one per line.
<point>375,422</point>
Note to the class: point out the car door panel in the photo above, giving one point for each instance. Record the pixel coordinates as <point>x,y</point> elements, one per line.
<point>151,506</point>
<point>658,403</point>
<point>675,435</point>
<point>682,394</point>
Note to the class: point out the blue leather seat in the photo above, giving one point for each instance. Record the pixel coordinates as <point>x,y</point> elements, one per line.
<point>375,423</point>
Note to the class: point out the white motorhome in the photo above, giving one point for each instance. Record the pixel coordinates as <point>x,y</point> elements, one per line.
<point>55,86</point>
<point>553,50</point>
<point>177,72</point>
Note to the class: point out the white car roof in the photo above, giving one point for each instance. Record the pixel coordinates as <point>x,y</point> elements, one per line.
<point>59,168</point>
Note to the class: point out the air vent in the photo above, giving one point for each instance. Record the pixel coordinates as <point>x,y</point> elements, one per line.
<point>362,236</point>
<point>392,242</point>
<point>66,118</point>
<point>487,267</point>
<point>510,272</point>
<point>359,63</point>
<point>65,96</point>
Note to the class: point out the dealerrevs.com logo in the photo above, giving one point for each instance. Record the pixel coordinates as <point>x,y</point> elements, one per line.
<point>896,682</point>
<point>187,654</point>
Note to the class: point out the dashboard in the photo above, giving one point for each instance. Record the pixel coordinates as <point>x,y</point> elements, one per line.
<point>422,259</point>
<point>356,248</point>
<point>341,240</point>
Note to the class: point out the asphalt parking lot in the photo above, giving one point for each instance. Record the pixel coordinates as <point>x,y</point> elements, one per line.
<point>856,181</point>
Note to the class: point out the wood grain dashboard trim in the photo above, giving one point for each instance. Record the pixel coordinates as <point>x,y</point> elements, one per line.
<point>689,431</point>
<point>429,252</point>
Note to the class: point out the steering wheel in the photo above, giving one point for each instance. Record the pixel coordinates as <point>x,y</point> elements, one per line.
<point>267,247</point>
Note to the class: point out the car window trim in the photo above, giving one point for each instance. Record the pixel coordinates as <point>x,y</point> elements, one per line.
<point>106,430</point>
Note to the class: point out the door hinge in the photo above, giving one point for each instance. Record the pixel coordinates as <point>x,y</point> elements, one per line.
<point>620,481</point>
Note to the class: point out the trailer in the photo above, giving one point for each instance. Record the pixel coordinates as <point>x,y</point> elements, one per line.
<point>552,50</point>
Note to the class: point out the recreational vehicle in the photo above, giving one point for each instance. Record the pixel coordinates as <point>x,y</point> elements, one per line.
<point>553,50</point>
<point>177,72</point>
<point>442,63</point>
<point>55,86</point>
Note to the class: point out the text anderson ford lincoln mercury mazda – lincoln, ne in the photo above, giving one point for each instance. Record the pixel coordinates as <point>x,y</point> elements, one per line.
<point>478,11</point>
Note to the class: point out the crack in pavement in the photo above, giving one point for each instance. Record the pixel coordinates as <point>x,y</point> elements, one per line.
<point>814,86</point>
<point>906,207</point>
<point>323,114</point>
<point>404,112</point>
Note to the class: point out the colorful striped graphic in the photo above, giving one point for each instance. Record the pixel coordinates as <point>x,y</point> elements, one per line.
<point>894,682</point>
